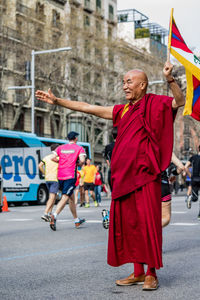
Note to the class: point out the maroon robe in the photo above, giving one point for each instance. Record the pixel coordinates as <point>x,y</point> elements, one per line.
<point>143,149</point>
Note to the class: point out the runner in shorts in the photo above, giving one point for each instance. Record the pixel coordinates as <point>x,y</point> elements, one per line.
<point>67,157</point>
<point>89,179</point>
<point>50,169</point>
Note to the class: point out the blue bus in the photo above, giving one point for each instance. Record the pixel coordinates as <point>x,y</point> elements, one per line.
<point>20,154</point>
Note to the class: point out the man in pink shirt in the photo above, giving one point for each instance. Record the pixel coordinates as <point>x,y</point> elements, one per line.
<point>67,158</point>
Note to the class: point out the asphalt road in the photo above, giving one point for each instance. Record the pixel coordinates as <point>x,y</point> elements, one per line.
<point>38,263</point>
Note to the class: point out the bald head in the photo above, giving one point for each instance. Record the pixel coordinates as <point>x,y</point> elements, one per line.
<point>135,84</point>
<point>137,73</point>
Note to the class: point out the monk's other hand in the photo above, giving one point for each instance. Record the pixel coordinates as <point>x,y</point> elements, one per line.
<point>48,97</point>
<point>167,70</point>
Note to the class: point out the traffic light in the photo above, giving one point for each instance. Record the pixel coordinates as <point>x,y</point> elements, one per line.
<point>27,70</point>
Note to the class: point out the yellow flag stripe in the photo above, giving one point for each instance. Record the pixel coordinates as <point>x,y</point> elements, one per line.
<point>189,94</point>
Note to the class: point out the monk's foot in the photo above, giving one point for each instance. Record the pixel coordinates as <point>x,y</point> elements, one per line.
<point>131,280</point>
<point>151,283</point>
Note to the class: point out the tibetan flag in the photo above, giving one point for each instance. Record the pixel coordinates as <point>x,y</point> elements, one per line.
<point>185,56</point>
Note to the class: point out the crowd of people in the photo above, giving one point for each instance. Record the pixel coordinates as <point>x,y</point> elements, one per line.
<point>66,171</point>
<point>141,155</point>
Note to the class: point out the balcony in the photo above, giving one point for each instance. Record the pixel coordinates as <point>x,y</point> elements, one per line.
<point>40,104</point>
<point>88,6</point>
<point>63,2</point>
<point>10,33</point>
<point>100,12</point>
<point>29,12</point>
<point>77,3</point>
<point>111,19</point>
<point>57,25</point>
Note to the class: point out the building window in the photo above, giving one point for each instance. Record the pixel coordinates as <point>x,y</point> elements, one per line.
<point>39,125</point>
<point>39,10</point>
<point>20,96</point>
<point>98,28</point>
<point>110,58</point>
<point>111,13</point>
<point>39,34</point>
<point>74,72</point>
<point>19,126</point>
<point>97,81</point>
<point>110,33</point>
<point>53,131</point>
<point>87,49</point>
<point>86,80</point>
<point>98,6</point>
<point>87,3</point>
<point>19,25</point>
<point>86,21</point>
<point>55,18</point>
<point>98,55</point>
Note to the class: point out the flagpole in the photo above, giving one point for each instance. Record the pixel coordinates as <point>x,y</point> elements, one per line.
<point>169,36</point>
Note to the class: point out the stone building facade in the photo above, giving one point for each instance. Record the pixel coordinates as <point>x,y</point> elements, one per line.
<point>92,71</point>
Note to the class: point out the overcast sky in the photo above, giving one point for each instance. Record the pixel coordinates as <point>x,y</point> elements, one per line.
<point>186,15</point>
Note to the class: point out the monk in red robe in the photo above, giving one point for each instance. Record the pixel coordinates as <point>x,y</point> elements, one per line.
<point>142,151</point>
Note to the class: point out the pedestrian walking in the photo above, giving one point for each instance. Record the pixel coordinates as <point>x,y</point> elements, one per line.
<point>76,191</point>
<point>98,185</point>
<point>177,168</point>
<point>108,154</point>
<point>81,187</point>
<point>194,162</point>
<point>143,149</point>
<point>49,169</point>
<point>89,178</point>
<point>67,156</point>
<point>188,184</point>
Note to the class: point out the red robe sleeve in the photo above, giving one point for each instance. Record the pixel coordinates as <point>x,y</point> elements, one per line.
<point>117,112</point>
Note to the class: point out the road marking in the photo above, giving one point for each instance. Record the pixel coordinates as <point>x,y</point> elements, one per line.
<point>179,212</point>
<point>19,220</point>
<point>93,221</point>
<point>184,224</point>
<point>53,251</point>
<point>59,220</point>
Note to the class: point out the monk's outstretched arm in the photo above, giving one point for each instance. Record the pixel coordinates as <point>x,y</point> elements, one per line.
<point>96,110</point>
<point>179,99</point>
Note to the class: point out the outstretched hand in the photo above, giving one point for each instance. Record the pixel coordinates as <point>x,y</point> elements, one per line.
<point>48,97</point>
<point>167,70</point>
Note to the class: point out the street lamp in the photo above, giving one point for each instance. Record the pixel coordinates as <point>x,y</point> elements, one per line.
<point>32,86</point>
<point>156,82</point>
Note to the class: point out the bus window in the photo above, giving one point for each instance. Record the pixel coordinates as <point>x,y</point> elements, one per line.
<point>48,144</point>
<point>7,142</point>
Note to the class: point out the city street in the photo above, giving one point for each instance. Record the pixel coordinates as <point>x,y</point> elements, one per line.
<point>38,263</point>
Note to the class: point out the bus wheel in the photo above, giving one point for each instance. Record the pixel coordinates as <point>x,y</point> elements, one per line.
<point>42,195</point>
